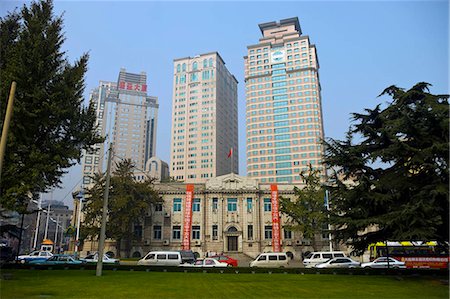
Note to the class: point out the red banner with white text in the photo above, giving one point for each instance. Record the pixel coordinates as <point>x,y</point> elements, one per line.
<point>186,245</point>
<point>276,239</point>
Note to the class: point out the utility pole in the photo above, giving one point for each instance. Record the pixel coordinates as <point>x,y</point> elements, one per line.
<point>101,243</point>
<point>46,223</point>
<point>9,111</point>
<point>36,232</point>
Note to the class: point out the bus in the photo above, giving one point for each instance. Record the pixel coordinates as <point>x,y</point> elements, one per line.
<point>415,254</point>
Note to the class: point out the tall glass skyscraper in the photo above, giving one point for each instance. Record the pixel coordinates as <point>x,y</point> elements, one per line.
<point>283,104</point>
<point>126,116</point>
<point>204,119</point>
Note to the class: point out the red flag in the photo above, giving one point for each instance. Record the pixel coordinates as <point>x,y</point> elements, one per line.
<point>230,153</point>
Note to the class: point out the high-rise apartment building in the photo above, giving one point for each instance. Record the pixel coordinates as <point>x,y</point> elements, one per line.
<point>126,116</point>
<point>283,104</point>
<point>204,119</point>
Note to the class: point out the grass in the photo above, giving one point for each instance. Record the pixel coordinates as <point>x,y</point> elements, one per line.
<point>137,284</point>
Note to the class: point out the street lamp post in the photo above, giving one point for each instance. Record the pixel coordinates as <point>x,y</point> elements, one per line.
<point>80,202</point>
<point>36,232</point>
<point>46,223</point>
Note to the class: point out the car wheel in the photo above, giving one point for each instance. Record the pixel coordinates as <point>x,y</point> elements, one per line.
<point>394,267</point>
<point>367,267</point>
<point>22,261</point>
<point>230,265</point>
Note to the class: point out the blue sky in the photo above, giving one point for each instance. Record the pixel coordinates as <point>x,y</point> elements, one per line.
<point>363,47</point>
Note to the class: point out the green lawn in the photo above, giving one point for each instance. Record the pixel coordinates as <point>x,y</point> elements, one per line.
<point>139,284</point>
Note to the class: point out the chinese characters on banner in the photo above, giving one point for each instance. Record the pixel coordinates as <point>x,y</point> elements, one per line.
<point>187,217</point>
<point>132,86</point>
<point>276,246</point>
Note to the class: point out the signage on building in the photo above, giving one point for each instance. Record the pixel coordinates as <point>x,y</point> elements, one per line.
<point>187,217</point>
<point>276,244</point>
<point>277,56</point>
<point>132,86</point>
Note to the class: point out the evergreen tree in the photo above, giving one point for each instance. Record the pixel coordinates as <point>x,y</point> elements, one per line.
<point>128,204</point>
<point>392,184</point>
<point>307,214</point>
<point>49,126</point>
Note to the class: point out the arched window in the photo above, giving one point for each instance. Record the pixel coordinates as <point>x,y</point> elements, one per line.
<point>205,63</point>
<point>210,62</point>
<point>232,229</point>
<point>183,67</point>
<point>194,66</point>
<point>178,68</point>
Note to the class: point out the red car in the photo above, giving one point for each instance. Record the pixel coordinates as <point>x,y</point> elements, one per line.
<point>226,259</point>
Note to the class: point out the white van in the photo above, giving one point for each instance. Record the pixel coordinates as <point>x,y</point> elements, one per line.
<point>315,258</point>
<point>161,258</point>
<point>271,260</point>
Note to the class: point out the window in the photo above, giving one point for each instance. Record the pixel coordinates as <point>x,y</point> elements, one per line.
<point>210,62</point>
<point>183,68</point>
<point>232,204</point>
<point>250,232</point>
<point>205,63</point>
<point>215,204</point>
<point>178,68</point>
<point>287,234</point>
<point>176,232</point>
<point>268,232</point>
<point>158,207</point>
<point>138,231</point>
<point>215,230</point>
<point>177,204</point>
<point>194,66</point>
<point>157,232</point>
<point>196,232</point>
<point>249,205</point>
<point>196,205</point>
<point>267,205</point>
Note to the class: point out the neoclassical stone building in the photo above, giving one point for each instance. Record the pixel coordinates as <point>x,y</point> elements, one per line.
<point>230,214</point>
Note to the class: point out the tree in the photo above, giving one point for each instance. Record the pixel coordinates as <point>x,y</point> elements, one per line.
<point>50,126</point>
<point>128,204</point>
<point>392,184</point>
<point>307,214</point>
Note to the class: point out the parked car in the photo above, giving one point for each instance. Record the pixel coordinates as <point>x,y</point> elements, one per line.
<point>58,259</point>
<point>271,260</point>
<point>206,263</point>
<point>161,258</point>
<point>6,254</point>
<point>187,256</point>
<point>314,258</point>
<point>93,258</point>
<point>226,259</point>
<point>339,262</point>
<point>382,262</point>
<point>34,256</point>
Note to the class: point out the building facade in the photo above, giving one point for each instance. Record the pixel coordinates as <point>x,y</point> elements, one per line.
<point>230,214</point>
<point>126,116</point>
<point>284,125</point>
<point>204,119</point>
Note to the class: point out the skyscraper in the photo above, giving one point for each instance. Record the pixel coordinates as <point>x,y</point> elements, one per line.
<point>283,104</point>
<point>126,116</point>
<point>204,119</point>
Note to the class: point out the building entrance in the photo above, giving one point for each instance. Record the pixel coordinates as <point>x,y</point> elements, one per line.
<point>232,243</point>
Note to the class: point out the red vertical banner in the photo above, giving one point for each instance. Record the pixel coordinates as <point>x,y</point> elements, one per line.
<point>187,217</point>
<point>276,244</point>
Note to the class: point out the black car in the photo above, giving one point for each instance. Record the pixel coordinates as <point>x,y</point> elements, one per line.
<point>187,256</point>
<point>6,254</point>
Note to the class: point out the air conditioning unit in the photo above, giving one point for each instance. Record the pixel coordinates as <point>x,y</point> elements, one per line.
<point>197,243</point>
<point>289,243</point>
<point>167,214</point>
<point>166,242</point>
<point>298,242</point>
<point>270,243</point>
<point>147,242</point>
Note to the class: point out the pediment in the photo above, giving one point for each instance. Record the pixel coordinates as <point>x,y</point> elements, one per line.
<point>231,182</point>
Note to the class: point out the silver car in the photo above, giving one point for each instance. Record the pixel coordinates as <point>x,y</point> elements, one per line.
<point>339,262</point>
<point>382,262</point>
